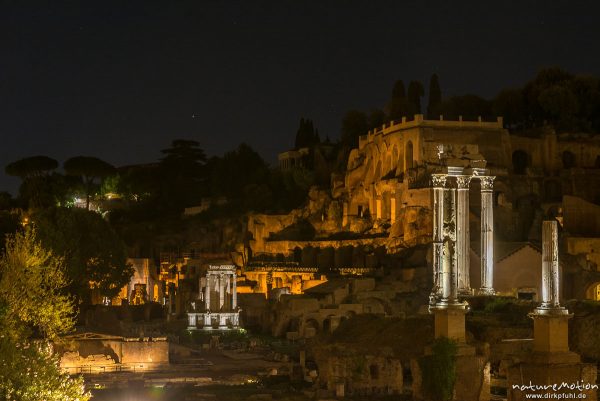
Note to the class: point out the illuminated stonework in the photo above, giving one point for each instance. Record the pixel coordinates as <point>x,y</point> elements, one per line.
<point>220,301</point>
<point>451,239</point>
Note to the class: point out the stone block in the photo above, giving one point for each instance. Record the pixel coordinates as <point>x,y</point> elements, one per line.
<point>551,333</point>
<point>450,323</point>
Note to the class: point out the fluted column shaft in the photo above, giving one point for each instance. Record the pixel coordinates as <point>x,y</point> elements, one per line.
<point>487,235</point>
<point>462,234</point>
<point>207,295</point>
<point>449,269</point>
<point>221,291</point>
<point>550,272</point>
<point>439,182</point>
<point>234,295</point>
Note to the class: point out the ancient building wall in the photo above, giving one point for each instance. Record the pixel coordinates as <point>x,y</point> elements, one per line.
<point>145,352</point>
<point>529,149</point>
<point>581,217</point>
<point>491,143</point>
<point>584,152</point>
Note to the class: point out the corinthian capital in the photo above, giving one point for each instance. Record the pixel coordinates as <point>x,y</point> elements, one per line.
<point>462,181</point>
<point>438,180</point>
<point>487,182</point>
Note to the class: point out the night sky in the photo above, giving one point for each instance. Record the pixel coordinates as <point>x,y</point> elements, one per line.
<point>120,80</point>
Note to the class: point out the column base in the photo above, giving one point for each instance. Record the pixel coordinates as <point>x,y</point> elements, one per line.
<point>465,292</point>
<point>486,291</point>
<point>550,330</point>
<point>450,321</point>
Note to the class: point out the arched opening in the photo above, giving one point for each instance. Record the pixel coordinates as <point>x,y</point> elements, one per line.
<point>520,161</point>
<point>593,292</point>
<point>408,156</point>
<point>568,159</point>
<point>395,158</point>
<point>311,328</point>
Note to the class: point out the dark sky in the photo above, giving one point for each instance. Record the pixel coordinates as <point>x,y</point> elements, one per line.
<point>120,80</point>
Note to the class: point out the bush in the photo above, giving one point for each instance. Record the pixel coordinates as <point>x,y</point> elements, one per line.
<point>439,370</point>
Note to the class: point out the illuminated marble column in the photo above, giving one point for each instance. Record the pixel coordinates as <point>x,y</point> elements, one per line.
<point>207,290</point>
<point>438,182</point>
<point>221,291</point>
<point>462,234</point>
<point>487,235</point>
<point>234,295</point>
<point>550,272</point>
<point>449,267</point>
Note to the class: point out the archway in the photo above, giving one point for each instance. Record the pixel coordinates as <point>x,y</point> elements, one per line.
<point>395,158</point>
<point>408,156</point>
<point>520,161</point>
<point>311,328</point>
<point>593,291</point>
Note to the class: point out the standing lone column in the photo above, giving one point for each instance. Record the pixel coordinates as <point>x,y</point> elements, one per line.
<point>462,235</point>
<point>487,235</point>
<point>550,273</point>
<point>438,182</point>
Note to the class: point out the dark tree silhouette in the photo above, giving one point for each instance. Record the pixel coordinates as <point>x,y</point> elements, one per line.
<point>306,136</point>
<point>37,180</point>
<point>434,103</point>
<point>35,166</point>
<point>354,124</point>
<point>94,255</point>
<point>415,92</point>
<point>90,170</point>
<point>398,106</point>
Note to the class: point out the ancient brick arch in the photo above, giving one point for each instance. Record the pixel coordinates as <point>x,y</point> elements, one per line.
<point>395,161</point>
<point>520,161</point>
<point>568,159</point>
<point>376,305</point>
<point>312,323</point>
<point>592,291</point>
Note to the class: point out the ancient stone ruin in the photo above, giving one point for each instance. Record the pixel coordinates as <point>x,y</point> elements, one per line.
<point>551,364</point>
<point>220,300</point>
<point>451,239</point>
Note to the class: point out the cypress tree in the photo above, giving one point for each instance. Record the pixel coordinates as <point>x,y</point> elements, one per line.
<point>415,91</point>
<point>434,103</point>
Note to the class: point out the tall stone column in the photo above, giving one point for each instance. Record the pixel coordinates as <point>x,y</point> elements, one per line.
<point>207,290</point>
<point>221,291</point>
<point>462,234</point>
<point>234,295</point>
<point>450,233</point>
<point>487,235</point>
<point>438,181</point>
<point>550,272</point>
